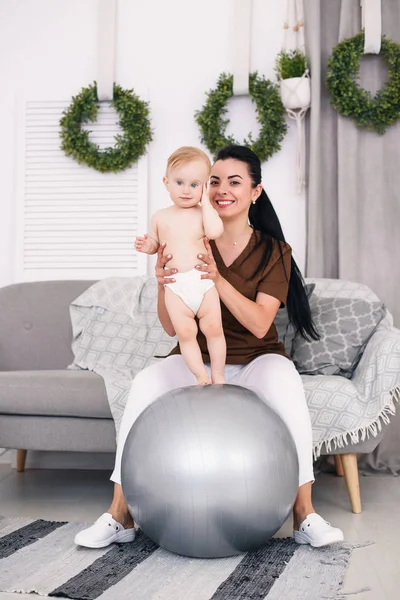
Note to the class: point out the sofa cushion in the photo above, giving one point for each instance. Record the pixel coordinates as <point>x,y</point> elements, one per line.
<point>56,393</point>
<point>345,326</point>
<point>35,328</point>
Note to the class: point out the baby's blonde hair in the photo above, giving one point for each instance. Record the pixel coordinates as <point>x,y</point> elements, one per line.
<point>186,154</point>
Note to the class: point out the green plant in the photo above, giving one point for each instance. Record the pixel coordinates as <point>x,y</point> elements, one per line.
<point>129,147</point>
<point>270,115</point>
<point>290,63</point>
<point>350,99</point>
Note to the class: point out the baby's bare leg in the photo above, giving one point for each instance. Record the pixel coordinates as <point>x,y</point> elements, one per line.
<point>186,329</point>
<point>210,322</point>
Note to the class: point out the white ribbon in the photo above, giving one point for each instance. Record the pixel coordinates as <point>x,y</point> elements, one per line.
<point>371,22</point>
<point>106,18</point>
<point>241,47</point>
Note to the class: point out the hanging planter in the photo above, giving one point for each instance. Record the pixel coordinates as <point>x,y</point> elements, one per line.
<point>295,90</point>
<point>294,82</point>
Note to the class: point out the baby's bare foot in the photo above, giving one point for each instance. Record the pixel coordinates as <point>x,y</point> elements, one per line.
<point>203,380</point>
<point>218,377</point>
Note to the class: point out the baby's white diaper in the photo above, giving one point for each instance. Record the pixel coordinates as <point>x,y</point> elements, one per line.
<point>191,288</point>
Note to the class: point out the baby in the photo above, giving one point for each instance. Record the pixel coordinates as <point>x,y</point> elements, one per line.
<point>182,227</point>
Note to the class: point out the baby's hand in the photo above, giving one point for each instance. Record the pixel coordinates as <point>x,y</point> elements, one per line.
<point>205,199</point>
<point>146,244</point>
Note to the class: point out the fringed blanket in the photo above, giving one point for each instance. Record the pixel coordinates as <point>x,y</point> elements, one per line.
<point>116,333</point>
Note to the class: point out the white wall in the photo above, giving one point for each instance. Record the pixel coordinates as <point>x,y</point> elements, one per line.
<point>171,51</point>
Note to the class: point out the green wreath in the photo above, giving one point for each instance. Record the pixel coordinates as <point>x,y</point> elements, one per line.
<point>134,120</point>
<point>270,115</point>
<point>349,99</point>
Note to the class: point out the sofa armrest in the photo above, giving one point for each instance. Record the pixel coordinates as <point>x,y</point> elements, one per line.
<point>377,376</point>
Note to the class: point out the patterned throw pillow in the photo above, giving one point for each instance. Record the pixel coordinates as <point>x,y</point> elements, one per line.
<point>285,330</point>
<point>345,326</point>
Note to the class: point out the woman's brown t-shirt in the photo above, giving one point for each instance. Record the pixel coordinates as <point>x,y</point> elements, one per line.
<point>242,345</point>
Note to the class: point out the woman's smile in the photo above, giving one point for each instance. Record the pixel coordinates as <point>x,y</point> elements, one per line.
<point>224,203</point>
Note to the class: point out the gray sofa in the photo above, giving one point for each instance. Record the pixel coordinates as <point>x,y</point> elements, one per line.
<point>44,406</point>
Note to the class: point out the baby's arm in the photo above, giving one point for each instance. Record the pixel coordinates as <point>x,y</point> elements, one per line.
<point>212,222</point>
<point>149,243</point>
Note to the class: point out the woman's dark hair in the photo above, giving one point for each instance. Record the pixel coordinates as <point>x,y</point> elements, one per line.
<point>263,217</point>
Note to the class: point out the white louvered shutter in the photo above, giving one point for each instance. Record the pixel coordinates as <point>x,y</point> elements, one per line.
<point>72,221</point>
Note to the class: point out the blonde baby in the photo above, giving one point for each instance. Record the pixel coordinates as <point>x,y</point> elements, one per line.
<point>182,227</point>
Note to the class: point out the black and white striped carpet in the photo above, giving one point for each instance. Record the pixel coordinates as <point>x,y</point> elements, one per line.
<point>38,556</point>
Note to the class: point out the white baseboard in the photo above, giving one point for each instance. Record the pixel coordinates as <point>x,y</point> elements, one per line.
<point>61,460</point>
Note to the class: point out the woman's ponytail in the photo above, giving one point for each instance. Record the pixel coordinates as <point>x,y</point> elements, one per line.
<point>262,216</point>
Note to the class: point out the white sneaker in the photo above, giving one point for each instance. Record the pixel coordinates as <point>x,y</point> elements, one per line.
<point>103,532</point>
<point>317,532</point>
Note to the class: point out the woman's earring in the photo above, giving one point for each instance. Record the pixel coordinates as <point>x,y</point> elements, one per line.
<point>254,201</point>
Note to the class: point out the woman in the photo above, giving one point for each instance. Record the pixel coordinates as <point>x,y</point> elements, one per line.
<point>255,274</point>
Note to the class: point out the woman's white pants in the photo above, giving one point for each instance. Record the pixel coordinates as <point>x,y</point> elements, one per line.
<point>272,376</point>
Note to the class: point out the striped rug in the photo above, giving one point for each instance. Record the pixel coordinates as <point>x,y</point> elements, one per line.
<point>38,556</point>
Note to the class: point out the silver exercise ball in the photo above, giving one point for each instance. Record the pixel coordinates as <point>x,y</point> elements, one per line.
<point>210,471</point>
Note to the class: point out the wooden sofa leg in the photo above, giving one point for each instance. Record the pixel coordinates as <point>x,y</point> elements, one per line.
<point>338,465</point>
<point>21,458</point>
<point>350,468</point>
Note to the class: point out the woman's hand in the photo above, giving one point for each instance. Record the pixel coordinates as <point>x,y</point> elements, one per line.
<point>163,275</point>
<point>209,269</point>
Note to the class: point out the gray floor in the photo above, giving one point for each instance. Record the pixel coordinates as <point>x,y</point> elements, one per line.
<point>84,495</point>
